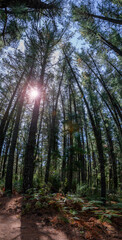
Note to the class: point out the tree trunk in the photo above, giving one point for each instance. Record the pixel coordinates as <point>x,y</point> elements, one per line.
<point>9,174</point>
<point>63,170</point>
<point>5,117</point>
<point>16,168</point>
<point>29,152</point>
<point>98,138</point>
<point>70,175</point>
<point>52,135</point>
<point>90,15</point>
<point>106,42</point>
<point>6,153</point>
<point>2,137</point>
<point>30,4</point>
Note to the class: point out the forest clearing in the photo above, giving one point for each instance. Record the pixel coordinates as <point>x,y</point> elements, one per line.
<point>60,119</point>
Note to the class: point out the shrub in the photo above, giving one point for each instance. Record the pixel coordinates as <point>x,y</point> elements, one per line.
<point>82,190</point>
<point>55,182</point>
<point>17,186</point>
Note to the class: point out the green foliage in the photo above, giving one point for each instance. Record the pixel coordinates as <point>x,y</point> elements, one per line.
<point>82,190</point>
<point>73,212</point>
<point>96,203</point>
<point>55,182</point>
<point>26,208</point>
<point>103,218</point>
<point>117,205</point>
<point>107,215</point>
<point>113,196</point>
<point>74,198</point>
<point>1,184</point>
<point>38,205</point>
<point>87,208</point>
<point>17,185</point>
<point>45,189</point>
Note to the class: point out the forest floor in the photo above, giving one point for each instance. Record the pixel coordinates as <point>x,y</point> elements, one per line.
<point>57,218</point>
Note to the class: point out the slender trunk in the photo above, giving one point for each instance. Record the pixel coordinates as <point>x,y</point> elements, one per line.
<point>2,137</point>
<point>97,134</point>
<point>48,163</point>
<point>110,45</point>
<point>42,158</point>
<point>5,159</point>
<point>64,145</point>
<point>30,4</point>
<point>101,80</point>
<point>49,151</point>
<point>112,20</point>
<point>70,177</point>
<point>81,158</point>
<point>112,158</point>
<point>113,100</point>
<point>114,67</point>
<point>83,161</point>
<point>6,153</point>
<point>16,168</point>
<point>87,146</point>
<point>29,152</point>
<point>110,174</point>
<point>40,127</point>
<point>112,113</point>
<point>107,43</point>
<point>5,117</point>
<point>9,174</point>
<point>94,167</point>
<point>52,135</point>
<point>30,148</point>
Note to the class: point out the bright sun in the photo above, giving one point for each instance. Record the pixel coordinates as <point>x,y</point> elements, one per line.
<point>34,93</point>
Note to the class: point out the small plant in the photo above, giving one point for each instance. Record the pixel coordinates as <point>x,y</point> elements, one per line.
<point>113,197</point>
<point>73,212</point>
<point>55,182</point>
<point>96,203</point>
<point>64,219</point>
<point>27,207</point>
<point>30,191</point>
<point>1,185</point>
<point>82,190</point>
<point>17,186</point>
<point>38,205</point>
<point>118,205</point>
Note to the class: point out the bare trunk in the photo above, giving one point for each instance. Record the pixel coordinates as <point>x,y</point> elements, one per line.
<point>9,174</point>
<point>29,153</point>
<point>97,134</point>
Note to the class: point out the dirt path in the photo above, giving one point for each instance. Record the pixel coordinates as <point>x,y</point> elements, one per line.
<point>47,224</point>
<point>13,226</point>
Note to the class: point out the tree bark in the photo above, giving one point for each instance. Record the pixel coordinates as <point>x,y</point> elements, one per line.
<point>5,117</point>
<point>9,174</point>
<point>52,135</point>
<point>90,15</point>
<point>97,134</point>
<point>6,152</point>
<point>29,154</point>
<point>63,170</point>
<point>36,4</point>
<point>2,137</point>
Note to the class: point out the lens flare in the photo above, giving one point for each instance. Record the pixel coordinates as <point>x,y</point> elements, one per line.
<point>34,93</point>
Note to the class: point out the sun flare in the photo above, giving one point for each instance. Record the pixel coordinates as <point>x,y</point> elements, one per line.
<point>34,93</point>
